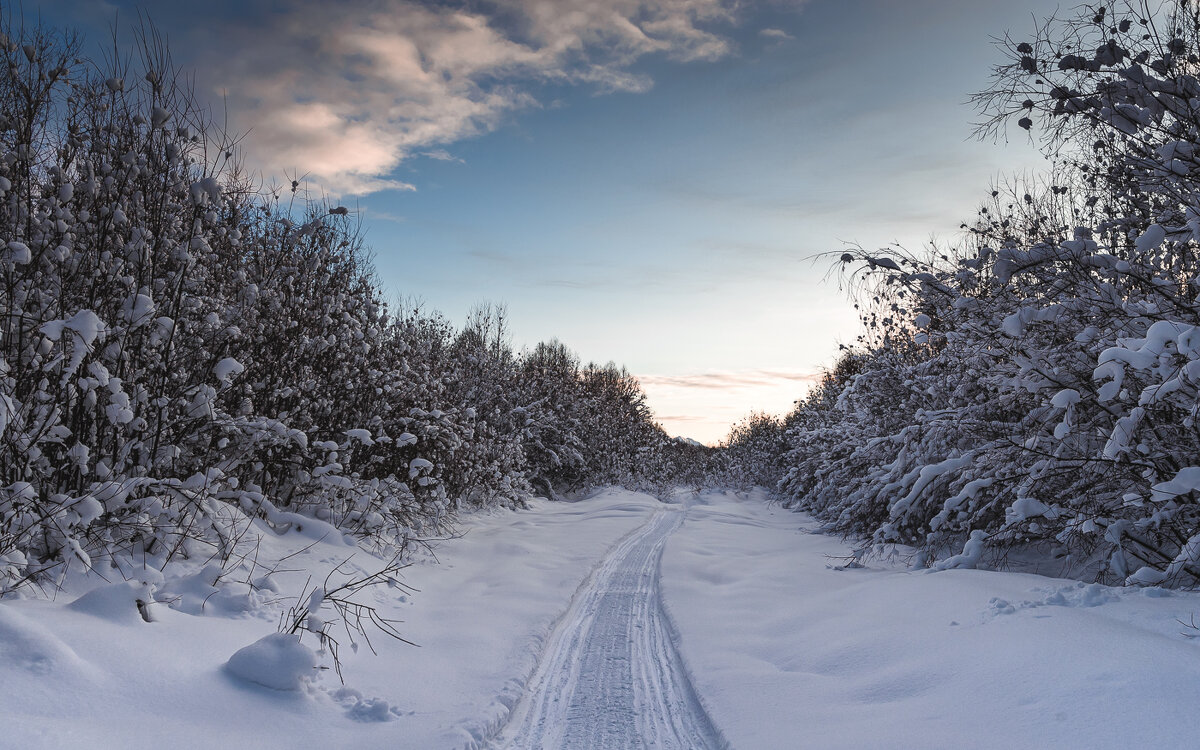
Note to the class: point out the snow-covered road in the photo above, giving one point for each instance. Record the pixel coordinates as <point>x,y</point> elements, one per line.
<point>610,676</point>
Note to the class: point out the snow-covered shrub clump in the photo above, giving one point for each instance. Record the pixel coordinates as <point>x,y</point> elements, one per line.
<point>177,352</point>
<point>751,455</point>
<point>1039,386</point>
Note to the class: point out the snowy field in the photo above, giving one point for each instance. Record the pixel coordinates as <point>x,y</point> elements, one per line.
<point>765,644</point>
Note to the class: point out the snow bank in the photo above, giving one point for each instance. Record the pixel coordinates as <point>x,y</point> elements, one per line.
<point>789,649</point>
<point>27,646</point>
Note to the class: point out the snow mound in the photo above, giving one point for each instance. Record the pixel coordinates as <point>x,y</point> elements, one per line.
<point>1078,594</point>
<point>367,710</point>
<point>26,644</point>
<point>124,603</point>
<point>1082,595</point>
<point>212,590</point>
<point>278,661</point>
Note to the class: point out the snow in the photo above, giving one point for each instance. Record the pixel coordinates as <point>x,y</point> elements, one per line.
<point>1022,509</point>
<point>969,557</point>
<point>138,309</point>
<point>781,644</point>
<point>227,369</point>
<point>787,649</point>
<point>1064,398</point>
<point>417,465</point>
<point>205,190</point>
<point>1151,238</point>
<point>27,648</point>
<point>1185,480</point>
<point>159,117</point>
<point>482,614</point>
<point>278,661</point>
<point>928,474</point>
<point>19,253</point>
<point>611,677</point>
<point>85,323</point>
<point>116,602</point>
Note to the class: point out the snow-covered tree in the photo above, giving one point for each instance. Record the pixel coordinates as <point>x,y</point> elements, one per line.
<point>1039,385</point>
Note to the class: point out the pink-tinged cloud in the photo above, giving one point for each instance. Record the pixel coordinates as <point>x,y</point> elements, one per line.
<point>724,380</point>
<point>705,405</point>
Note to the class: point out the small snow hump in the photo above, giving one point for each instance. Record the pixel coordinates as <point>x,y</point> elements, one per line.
<point>279,661</point>
<point>125,602</point>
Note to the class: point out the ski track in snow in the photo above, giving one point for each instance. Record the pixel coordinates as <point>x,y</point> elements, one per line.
<point>610,676</point>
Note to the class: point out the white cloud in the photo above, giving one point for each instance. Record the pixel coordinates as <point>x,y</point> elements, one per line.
<point>726,380</point>
<point>346,91</point>
<point>441,154</point>
<point>779,34</point>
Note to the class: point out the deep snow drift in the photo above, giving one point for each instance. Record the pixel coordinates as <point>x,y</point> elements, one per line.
<point>782,648</point>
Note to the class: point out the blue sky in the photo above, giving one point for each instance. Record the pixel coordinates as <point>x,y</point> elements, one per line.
<point>646,181</point>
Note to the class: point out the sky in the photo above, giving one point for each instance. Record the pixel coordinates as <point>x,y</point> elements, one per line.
<point>652,182</point>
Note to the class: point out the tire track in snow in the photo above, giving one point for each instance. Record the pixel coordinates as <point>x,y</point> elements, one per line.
<point>610,677</point>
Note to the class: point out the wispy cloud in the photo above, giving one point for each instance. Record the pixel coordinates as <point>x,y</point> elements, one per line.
<point>347,91</point>
<point>776,34</point>
<point>441,154</point>
<point>704,405</point>
<point>723,380</point>
<point>377,214</point>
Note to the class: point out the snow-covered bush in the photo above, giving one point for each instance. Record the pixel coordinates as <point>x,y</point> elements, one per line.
<point>1039,386</point>
<point>549,380</point>
<point>752,454</point>
<point>108,212</point>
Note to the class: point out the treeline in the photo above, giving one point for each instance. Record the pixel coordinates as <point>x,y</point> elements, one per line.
<point>182,351</point>
<point>1037,388</point>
